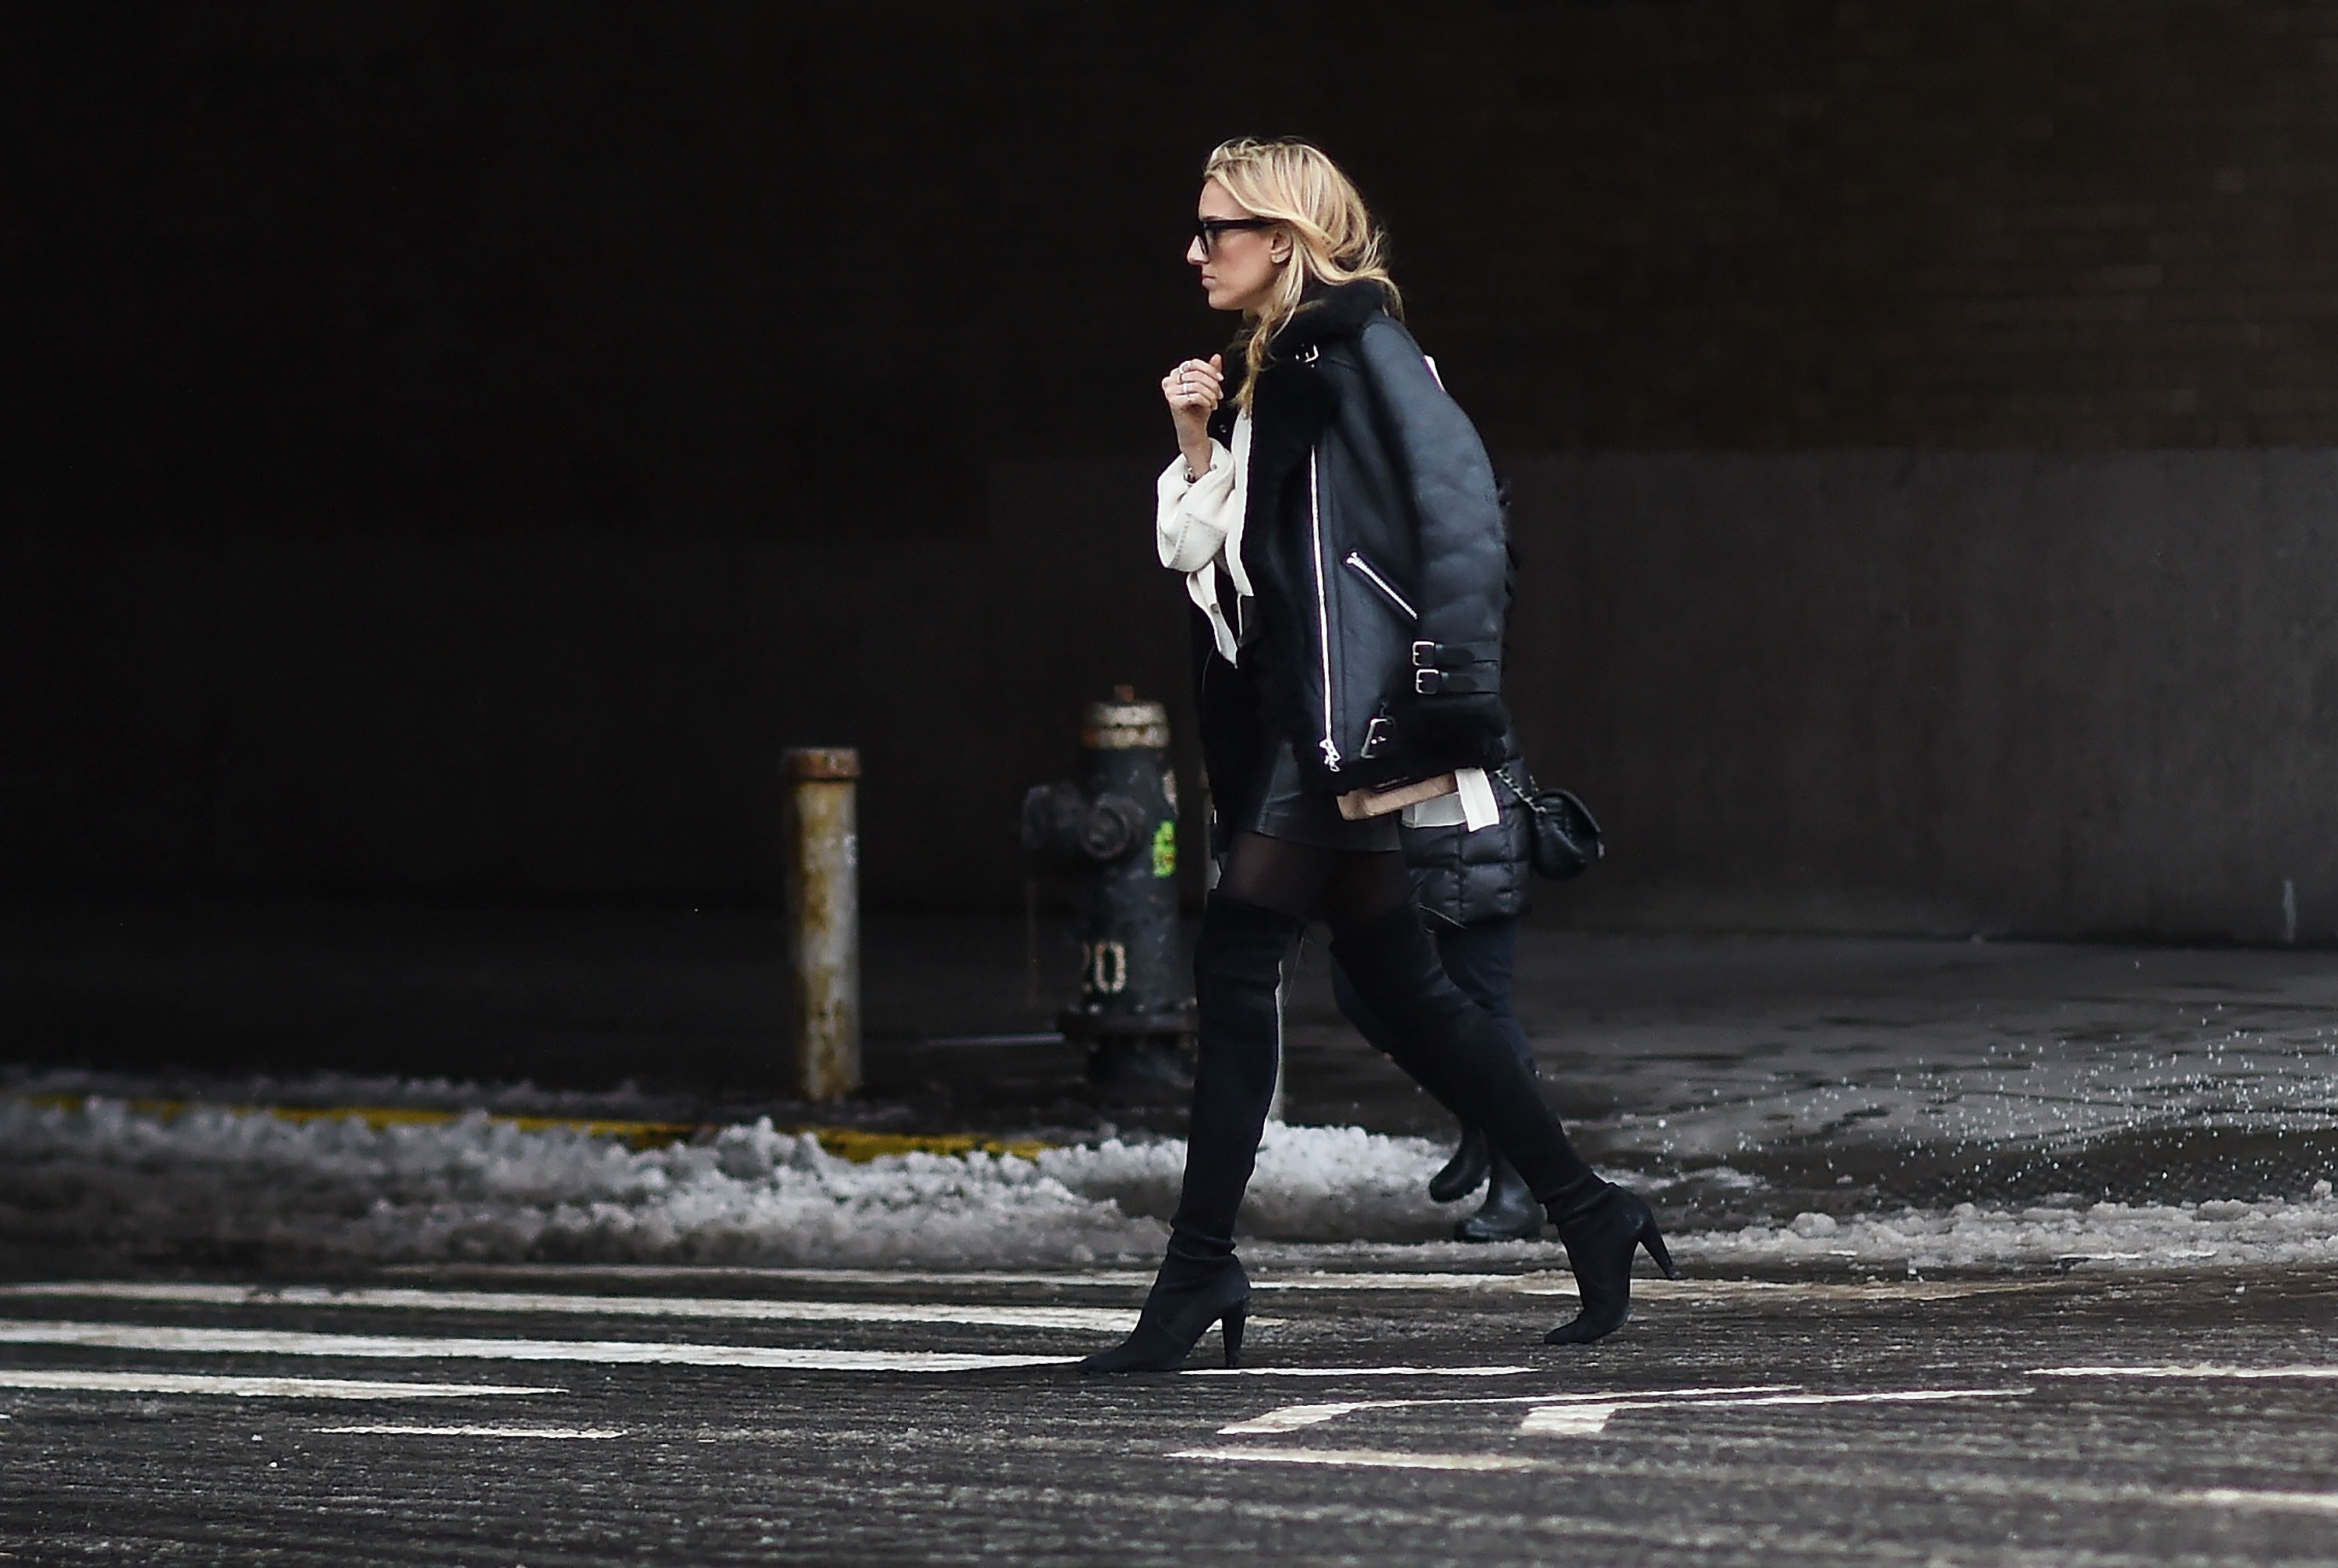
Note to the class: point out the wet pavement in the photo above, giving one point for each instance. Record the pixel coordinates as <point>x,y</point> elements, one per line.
<point>1995,1253</point>
<point>578,1415</point>
<point>1839,1073</point>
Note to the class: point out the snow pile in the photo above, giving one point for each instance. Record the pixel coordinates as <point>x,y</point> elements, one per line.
<point>2269,1230</point>
<point>210,1181</point>
<point>521,1098</point>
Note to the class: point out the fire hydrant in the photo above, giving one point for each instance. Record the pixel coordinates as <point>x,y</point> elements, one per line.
<point>1113,832</point>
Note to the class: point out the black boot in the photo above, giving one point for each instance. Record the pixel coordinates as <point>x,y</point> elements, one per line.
<point>1509,1212</point>
<point>1189,1294</point>
<point>1456,1050</point>
<point>1237,966</point>
<point>1602,1226</point>
<point>1463,1173</point>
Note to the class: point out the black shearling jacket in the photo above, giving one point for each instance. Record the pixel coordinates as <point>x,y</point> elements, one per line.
<point>1374,538</point>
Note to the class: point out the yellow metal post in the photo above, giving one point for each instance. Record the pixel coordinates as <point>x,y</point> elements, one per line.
<point>824,920</point>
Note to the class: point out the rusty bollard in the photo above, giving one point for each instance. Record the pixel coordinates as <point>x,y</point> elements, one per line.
<point>824,920</point>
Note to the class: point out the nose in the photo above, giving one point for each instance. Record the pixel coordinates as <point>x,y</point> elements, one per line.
<point>1194,254</point>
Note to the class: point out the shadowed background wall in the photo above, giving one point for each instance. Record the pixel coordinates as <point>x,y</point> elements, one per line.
<point>452,449</point>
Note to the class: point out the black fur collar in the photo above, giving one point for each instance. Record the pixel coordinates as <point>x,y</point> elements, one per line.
<point>1327,312</point>
<point>1293,403</point>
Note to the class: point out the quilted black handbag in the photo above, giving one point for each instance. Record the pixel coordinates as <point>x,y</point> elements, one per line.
<point>1566,838</point>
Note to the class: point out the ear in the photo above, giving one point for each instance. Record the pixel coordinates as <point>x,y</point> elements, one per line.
<point>1278,250</point>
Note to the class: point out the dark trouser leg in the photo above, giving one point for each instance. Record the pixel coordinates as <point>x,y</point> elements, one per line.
<point>1458,1051</point>
<point>1237,965</point>
<point>1482,959</point>
<point>1472,1162</point>
<point>1373,1027</point>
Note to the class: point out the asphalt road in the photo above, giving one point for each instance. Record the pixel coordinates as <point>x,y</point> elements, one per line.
<point>570,1416</point>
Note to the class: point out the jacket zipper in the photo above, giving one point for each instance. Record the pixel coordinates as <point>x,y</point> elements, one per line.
<point>1363,568</point>
<point>1322,613</point>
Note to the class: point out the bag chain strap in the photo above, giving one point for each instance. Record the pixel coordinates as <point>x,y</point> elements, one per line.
<point>1522,798</point>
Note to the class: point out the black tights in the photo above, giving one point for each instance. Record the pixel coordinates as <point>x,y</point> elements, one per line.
<point>1345,889</point>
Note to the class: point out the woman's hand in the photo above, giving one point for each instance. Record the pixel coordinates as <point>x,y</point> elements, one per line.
<point>1193,391</point>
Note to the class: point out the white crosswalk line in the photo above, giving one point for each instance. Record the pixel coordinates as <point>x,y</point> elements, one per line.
<point>1567,1420</point>
<point>386,1430</point>
<point>2203,1370</point>
<point>1296,1417</point>
<point>1582,1420</point>
<point>1889,1396</point>
<point>1299,1418</point>
<point>1359,1371</point>
<point>1580,1415</point>
<point>609,1352</point>
<point>1543,1282</point>
<point>1359,1458</point>
<point>106,1382</point>
<point>2277,1502</point>
<point>1098,1319</point>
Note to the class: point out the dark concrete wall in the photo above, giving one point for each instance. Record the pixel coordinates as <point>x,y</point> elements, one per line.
<point>452,450</point>
<point>1942,692</point>
<point>575,714</point>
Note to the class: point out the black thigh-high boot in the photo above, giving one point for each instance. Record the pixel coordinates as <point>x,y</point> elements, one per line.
<point>1237,966</point>
<point>1456,1049</point>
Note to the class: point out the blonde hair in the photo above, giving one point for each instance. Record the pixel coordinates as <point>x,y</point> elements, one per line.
<point>1333,237</point>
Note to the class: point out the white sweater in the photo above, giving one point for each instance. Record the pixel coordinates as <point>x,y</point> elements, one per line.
<point>1195,525</point>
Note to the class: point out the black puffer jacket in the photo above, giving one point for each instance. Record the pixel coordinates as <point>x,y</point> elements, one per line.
<point>1464,878</point>
<point>1374,539</point>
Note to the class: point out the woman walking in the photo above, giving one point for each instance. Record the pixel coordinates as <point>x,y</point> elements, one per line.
<point>1335,517</point>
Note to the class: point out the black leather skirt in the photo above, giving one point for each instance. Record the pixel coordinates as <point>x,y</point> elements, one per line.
<point>1284,810</point>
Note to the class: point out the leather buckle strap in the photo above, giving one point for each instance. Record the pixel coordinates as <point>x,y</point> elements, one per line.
<point>1477,678</point>
<point>1428,655</point>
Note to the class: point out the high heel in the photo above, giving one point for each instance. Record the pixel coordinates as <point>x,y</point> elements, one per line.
<point>1183,1305</point>
<point>1601,1234</point>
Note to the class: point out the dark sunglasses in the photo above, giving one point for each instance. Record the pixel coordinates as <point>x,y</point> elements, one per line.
<point>1208,229</point>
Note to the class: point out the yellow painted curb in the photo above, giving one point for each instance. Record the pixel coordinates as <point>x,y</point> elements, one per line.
<point>860,1147</point>
<point>853,1143</point>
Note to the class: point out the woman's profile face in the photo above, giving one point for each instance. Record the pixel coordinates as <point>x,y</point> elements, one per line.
<point>1239,264</point>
